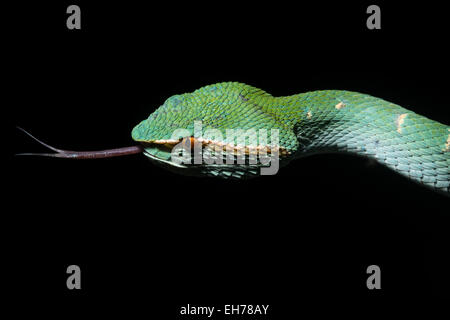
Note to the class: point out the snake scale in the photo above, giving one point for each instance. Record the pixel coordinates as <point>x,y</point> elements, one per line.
<point>308,123</point>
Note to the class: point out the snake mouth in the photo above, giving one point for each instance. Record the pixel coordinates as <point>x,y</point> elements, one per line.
<point>162,150</point>
<point>200,157</point>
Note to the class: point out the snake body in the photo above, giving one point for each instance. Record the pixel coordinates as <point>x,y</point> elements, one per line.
<point>307,123</point>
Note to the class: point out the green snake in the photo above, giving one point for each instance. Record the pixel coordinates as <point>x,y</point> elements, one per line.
<point>308,123</point>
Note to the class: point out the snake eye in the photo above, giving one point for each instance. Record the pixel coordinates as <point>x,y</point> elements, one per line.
<point>189,142</point>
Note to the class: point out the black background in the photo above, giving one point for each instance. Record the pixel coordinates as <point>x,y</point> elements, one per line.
<point>149,241</point>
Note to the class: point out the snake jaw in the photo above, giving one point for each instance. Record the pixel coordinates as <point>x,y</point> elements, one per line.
<point>163,161</point>
<point>191,141</point>
<point>161,153</point>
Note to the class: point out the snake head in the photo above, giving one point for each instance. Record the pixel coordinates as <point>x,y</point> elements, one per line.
<point>218,130</point>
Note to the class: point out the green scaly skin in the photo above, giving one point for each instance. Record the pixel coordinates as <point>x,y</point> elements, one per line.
<point>311,122</point>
